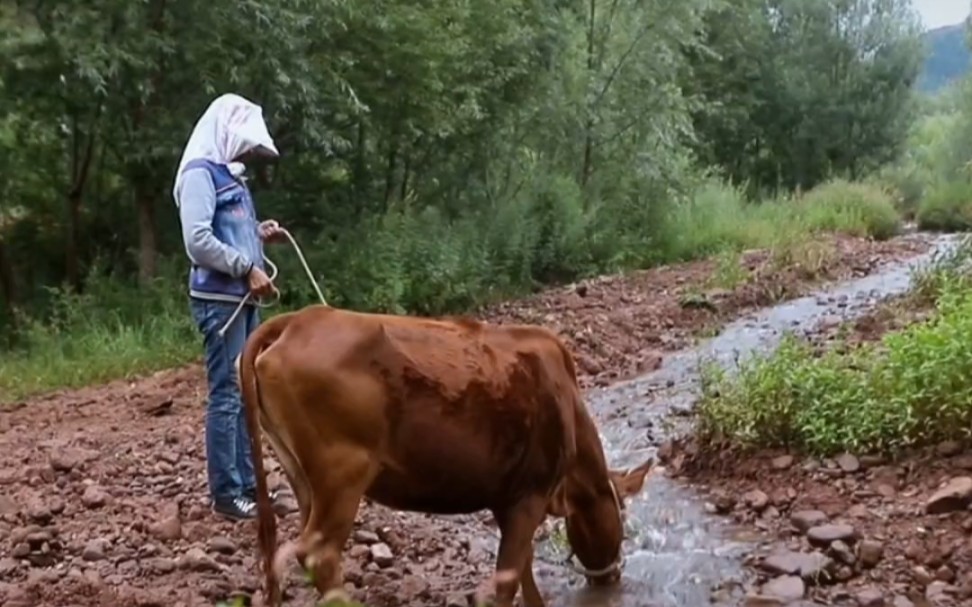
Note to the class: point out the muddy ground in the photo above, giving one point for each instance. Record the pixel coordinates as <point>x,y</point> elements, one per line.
<point>853,529</point>
<point>103,491</point>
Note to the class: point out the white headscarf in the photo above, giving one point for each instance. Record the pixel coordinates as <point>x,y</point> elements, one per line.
<point>229,127</point>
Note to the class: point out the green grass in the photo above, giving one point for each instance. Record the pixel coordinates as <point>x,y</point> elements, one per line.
<point>389,263</point>
<point>947,207</point>
<point>912,388</point>
<point>719,218</point>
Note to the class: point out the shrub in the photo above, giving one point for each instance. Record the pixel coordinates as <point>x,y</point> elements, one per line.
<point>912,388</point>
<point>947,207</point>
<point>857,209</point>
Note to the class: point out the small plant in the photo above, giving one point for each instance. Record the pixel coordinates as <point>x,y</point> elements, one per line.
<point>729,272</point>
<point>911,388</point>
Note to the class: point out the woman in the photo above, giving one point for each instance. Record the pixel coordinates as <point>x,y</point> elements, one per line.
<point>224,242</point>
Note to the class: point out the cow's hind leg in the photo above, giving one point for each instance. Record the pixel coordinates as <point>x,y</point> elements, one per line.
<point>517,526</point>
<point>338,479</point>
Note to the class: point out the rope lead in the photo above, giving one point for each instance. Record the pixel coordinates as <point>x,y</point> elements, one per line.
<point>273,276</point>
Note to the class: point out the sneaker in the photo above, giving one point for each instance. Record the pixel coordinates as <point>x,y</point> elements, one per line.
<point>240,508</point>
<point>250,494</point>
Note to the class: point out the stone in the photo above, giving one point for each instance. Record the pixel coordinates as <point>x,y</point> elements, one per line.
<point>412,588</point>
<point>870,553</point>
<point>804,520</point>
<point>364,536</point>
<point>782,462</point>
<point>945,574</point>
<point>785,587</point>
<point>195,559</point>
<point>848,463</point>
<point>813,568</point>
<point>382,555</point>
<point>955,495</point>
<point>824,535</point>
<point>95,550</point>
<point>222,545</point>
<point>922,576</point>
<point>902,601</point>
<point>870,598</point>
<point>93,497</point>
<point>169,529</point>
<point>842,552</point>
<point>949,448</point>
<point>756,499</point>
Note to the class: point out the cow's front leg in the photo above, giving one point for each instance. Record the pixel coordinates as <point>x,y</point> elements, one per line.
<point>517,526</point>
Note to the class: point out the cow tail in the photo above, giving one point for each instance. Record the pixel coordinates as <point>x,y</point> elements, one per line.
<point>259,340</point>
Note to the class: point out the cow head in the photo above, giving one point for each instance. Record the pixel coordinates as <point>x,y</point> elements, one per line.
<point>595,522</point>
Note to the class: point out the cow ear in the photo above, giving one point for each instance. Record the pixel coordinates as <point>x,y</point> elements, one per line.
<point>632,481</point>
<point>558,506</point>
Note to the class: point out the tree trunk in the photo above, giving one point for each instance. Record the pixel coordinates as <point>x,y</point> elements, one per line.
<point>147,254</point>
<point>8,286</point>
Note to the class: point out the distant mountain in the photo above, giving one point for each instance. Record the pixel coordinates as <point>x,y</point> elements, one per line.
<point>948,57</point>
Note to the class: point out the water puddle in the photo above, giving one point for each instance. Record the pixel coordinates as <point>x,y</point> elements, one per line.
<point>678,554</point>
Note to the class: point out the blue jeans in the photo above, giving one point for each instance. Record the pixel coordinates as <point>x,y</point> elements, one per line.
<point>228,461</point>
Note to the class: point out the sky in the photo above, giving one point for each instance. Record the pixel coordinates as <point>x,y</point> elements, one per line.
<point>936,13</point>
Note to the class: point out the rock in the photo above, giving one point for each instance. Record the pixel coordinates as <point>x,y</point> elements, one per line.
<point>457,599</point>
<point>759,600</point>
<point>824,535</point>
<point>870,598</point>
<point>782,462</point>
<point>949,448</point>
<point>936,589</point>
<point>67,459</point>
<point>804,520</point>
<point>412,588</point>
<point>945,574</point>
<point>382,555</point>
<point>161,565</point>
<point>95,550</point>
<point>842,552</point>
<point>848,463</point>
<point>724,503</point>
<point>363,536</point>
<point>39,513</point>
<point>756,499</point>
<point>8,506</point>
<point>955,495</point>
<point>814,567</point>
<point>786,587</point>
<point>93,497</point>
<point>197,560</point>
<point>168,529</point>
<point>222,545</point>
<point>902,601</point>
<point>8,567</point>
<point>921,576</point>
<point>870,553</point>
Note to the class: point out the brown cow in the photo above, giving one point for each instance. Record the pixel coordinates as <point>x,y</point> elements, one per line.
<point>435,416</point>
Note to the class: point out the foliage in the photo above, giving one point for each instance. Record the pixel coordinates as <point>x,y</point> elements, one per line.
<point>792,93</point>
<point>434,158</point>
<point>910,389</point>
<point>948,207</point>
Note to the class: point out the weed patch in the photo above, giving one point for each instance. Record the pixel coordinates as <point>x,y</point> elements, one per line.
<point>911,388</point>
<point>947,208</point>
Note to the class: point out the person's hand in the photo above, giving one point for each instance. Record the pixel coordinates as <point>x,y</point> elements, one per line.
<point>270,231</point>
<point>259,283</point>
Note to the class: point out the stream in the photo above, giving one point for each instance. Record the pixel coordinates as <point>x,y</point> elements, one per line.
<point>677,553</point>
